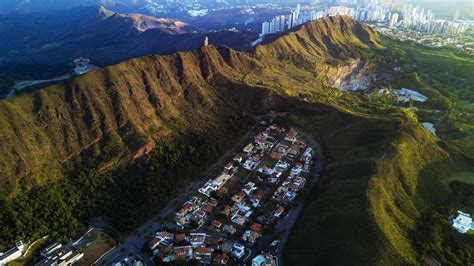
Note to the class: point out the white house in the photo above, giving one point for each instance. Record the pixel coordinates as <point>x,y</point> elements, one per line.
<point>463,222</point>
<point>281,166</point>
<point>264,259</point>
<point>12,254</point>
<point>215,184</point>
<point>248,149</point>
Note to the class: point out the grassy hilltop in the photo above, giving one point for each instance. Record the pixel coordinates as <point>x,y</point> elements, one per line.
<point>121,141</point>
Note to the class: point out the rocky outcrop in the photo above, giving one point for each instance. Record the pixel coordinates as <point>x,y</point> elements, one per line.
<point>355,76</point>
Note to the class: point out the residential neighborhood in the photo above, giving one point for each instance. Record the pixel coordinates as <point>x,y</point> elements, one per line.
<point>232,217</point>
<point>238,215</point>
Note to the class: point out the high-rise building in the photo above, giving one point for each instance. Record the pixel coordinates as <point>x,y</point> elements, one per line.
<point>393,20</point>
<point>411,17</point>
<point>456,15</point>
<point>281,23</point>
<point>297,11</point>
<point>265,28</point>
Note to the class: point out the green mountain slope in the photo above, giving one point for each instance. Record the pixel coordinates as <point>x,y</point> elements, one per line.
<point>141,98</point>
<point>138,100</point>
<point>382,176</point>
<point>406,183</point>
<point>331,36</point>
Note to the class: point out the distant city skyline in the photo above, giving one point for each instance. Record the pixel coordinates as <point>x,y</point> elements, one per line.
<point>407,16</point>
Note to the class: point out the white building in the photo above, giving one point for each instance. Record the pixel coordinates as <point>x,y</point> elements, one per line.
<point>62,256</point>
<point>456,15</point>
<point>12,254</point>
<point>393,20</point>
<point>264,259</point>
<point>50,249</point>
<point>463,222</point>
<point>214,184</point>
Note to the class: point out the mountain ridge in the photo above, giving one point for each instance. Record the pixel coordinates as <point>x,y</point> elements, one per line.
<point>175,75</point>
<point>143,23</point>
<point>318,39</point>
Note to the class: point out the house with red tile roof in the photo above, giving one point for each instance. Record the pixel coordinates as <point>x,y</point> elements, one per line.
<point>203,255</point>
<point>183,253</point>
<point>279,211</point>
<point>239,197</point>
<point>221,258</point>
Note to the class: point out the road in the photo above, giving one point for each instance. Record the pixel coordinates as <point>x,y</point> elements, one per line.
<point>134,243</point>
<point>289,222</point>
<point>21,84</point>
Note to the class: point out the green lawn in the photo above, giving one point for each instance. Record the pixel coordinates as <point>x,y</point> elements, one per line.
<point>442,64</point>
<point>436,54</point>
<point>99,246</point>
<point>242,172</point>
<point>465,177</point>
<point>270,162</point>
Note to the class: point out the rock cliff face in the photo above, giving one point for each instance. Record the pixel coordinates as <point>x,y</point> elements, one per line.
<point>356,76</point>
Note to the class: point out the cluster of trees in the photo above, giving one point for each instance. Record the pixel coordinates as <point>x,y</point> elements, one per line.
<point>128,196</point>
<point>32,215</point>
<point>148,186</point>
<point>435,237</point>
